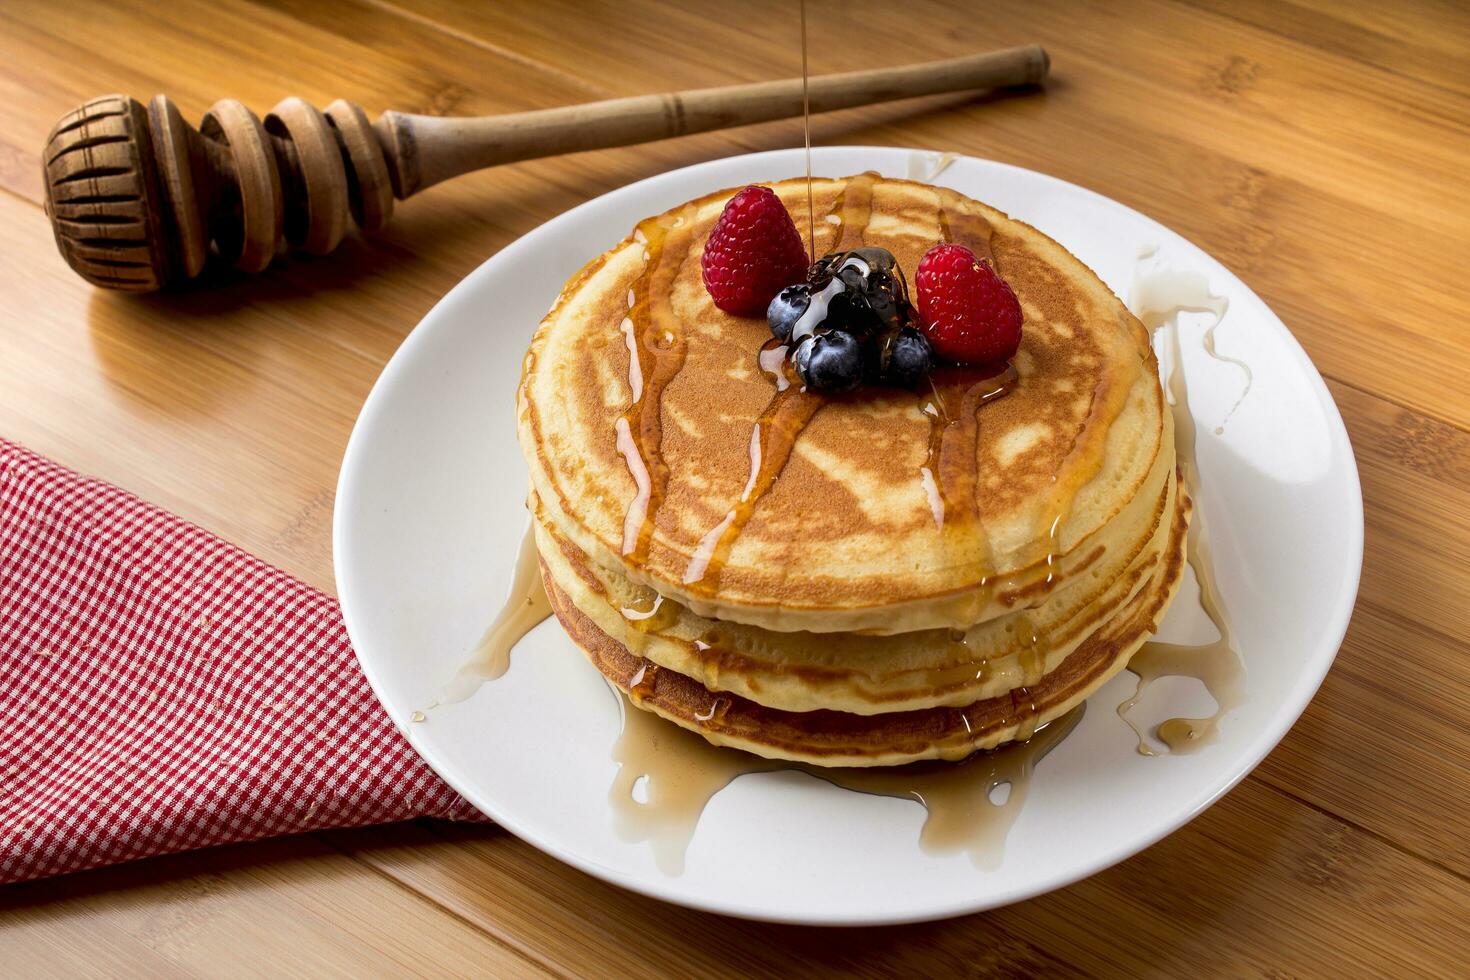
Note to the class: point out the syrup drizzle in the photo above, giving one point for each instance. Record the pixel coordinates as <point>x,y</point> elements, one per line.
<point>1209,344</point>
<point>967,810</point>
<point>959,225</point>
<point>647,615</point>
<point>1215,664</point>
<point>971,805</point>
<point>952,466</point>
<point>679,772</point>
<point>656,350</point>
<point>772,439</point>
<point>951,470</point>
<point>1160,298</point>
<point>525,607</point>
<point>853,209</point>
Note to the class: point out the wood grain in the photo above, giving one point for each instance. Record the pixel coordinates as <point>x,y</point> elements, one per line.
<point>1316,147</point>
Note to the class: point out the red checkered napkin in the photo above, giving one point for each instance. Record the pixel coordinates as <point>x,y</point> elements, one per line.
<point>162,690</point>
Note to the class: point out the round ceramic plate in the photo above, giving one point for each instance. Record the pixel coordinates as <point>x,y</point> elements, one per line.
<point>430,513</point>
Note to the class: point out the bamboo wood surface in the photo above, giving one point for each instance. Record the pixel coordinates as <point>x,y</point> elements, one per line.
<point>1318,148</point>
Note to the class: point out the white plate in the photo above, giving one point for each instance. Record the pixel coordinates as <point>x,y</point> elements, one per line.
<point>429,515</point>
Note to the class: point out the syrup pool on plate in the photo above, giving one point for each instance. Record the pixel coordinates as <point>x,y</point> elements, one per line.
<point>1159,296</point>
<point>667,776</point>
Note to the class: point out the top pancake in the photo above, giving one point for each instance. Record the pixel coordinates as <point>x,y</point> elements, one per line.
<point>639,410</point>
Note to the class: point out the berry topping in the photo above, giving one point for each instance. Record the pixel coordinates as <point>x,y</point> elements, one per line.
<point>864,290</point>
<point>969,313</point>
<point>753,250</point>
<point>788,306</point>
<point>906,358</point>
<point>851,322</point>
<point>831,361</point>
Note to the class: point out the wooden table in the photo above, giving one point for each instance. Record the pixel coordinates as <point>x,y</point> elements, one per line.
<point>1319,149</point>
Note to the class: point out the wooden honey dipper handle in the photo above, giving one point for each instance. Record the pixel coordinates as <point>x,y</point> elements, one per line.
<point>139,199</point>
<point>435,148</point>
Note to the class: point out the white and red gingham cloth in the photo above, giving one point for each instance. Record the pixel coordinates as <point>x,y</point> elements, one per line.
<point>162,690</point>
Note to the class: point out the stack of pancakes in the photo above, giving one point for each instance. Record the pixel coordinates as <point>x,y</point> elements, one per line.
<point>867,579</point>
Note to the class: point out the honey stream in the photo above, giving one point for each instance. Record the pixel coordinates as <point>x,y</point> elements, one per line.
<point>806,133</point>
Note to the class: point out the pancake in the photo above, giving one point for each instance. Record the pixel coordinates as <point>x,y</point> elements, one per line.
<point>837,738</point>
<point>655,441</point>
<point>868,579</point>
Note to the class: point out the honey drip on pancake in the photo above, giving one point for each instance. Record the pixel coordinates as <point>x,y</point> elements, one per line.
<point>525,607</point>
<point>952,466</point>
<point>656,349</point>
<point>853,209</point>
<point>1076,469</point>
<point>958,225</point>
<point>1032,657</point>
<point>772,439</point>
<point>1160,299</point>
<point>644,682</point>
<point>951,470</point>
<point>971,805</point>
<point>647,615</point>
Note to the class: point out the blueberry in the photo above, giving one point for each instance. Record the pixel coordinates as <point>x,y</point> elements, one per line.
<point>909,358</point>
<point>786,308</point>
<point>830,361</point>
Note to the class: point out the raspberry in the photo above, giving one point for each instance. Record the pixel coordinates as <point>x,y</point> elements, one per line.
<point>752,252</point>
<point>969,313</point>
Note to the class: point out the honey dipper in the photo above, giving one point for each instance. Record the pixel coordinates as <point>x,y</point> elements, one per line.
<point>139,199</point>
